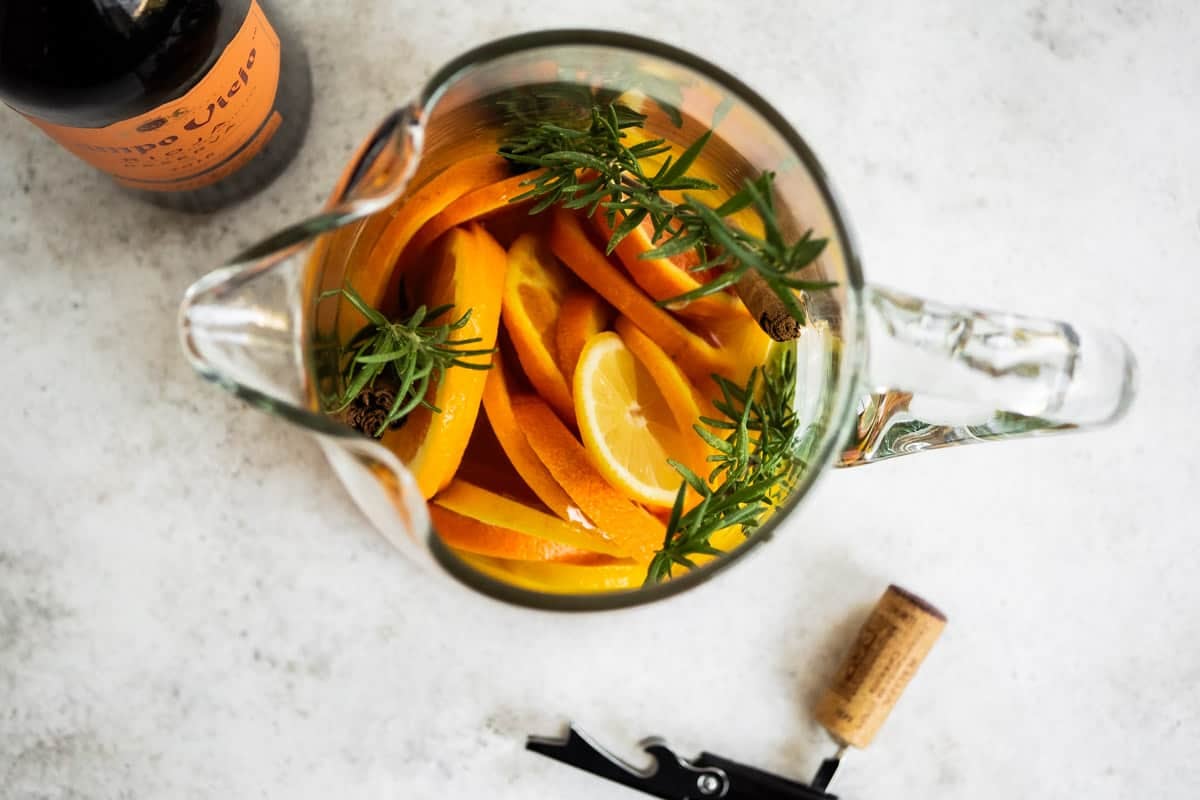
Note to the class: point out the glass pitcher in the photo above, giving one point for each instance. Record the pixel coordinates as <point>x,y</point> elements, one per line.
<point>879,373</point>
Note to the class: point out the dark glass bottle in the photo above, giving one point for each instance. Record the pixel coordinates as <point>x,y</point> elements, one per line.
<point>190,104</point>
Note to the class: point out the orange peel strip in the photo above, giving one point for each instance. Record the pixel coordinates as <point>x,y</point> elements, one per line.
<point>490,508</point>
<point>534,287</point>
<point>584,314</point>
<point>497,402</point>
<point>664,278</point>
<point>464,533</point>
<point>573,247</point>
<point>470,206</point>
<point>681,396</point>
<point>378,279</point>
<point>627,525</point>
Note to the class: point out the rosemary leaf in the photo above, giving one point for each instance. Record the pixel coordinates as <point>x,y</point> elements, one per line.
<point>409,356</point>
<point>751,470</point>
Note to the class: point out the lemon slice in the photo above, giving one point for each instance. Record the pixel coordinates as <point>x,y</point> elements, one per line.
<point>626,423</point>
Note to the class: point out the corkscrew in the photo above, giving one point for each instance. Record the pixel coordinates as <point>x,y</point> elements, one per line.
<point>672,777</point>
<point>890,646</point>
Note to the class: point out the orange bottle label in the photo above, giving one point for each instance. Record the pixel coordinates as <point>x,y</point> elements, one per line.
<point>200,137</point>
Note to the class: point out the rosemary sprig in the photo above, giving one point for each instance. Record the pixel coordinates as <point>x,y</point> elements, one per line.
<point>409,356</point>
<point>586,164</point>
<point>754,463</point>
<point>596,146</point>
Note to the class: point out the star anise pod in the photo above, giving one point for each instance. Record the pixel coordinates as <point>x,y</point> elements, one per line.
<point>369,411</point>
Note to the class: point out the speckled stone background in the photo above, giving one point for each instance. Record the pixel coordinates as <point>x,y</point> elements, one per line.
<point>190,607</point>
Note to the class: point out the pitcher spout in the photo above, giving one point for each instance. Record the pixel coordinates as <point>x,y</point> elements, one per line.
<point>250,326</point>
<point>246,326</point>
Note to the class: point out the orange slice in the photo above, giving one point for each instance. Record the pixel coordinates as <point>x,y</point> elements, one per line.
<point>681,396</point>
<point>497,402</point>
<point>497,510</point>
<point>486,465</point>
<point>627,424</point>
<point>555,578</point>
<point>571,244</point>
<point>534,288</point>
<point>627,525</point>
<point>470,206</point>
<point>377,280</point>
<point>584,314</point>
<point>463,533</point>
<point>467,271</point>
<point>664,278</point>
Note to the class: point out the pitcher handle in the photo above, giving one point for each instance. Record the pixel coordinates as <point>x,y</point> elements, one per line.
<point>942,375</point>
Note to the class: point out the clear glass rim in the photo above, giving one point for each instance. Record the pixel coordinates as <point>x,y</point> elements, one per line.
<point>853,354</point>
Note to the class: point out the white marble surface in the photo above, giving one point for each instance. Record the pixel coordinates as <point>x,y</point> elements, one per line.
<point>191,608</point>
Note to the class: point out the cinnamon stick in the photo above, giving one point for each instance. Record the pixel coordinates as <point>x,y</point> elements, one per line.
<point>772,315</point>
<point>766,308</point>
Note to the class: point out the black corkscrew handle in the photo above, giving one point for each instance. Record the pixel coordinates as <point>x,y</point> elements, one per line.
<point>751,783</point>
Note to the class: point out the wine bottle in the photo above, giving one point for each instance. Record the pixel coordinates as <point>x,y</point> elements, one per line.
<point>190,104</point>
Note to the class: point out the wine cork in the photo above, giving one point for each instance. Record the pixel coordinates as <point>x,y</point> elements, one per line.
<point>890,646</point>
